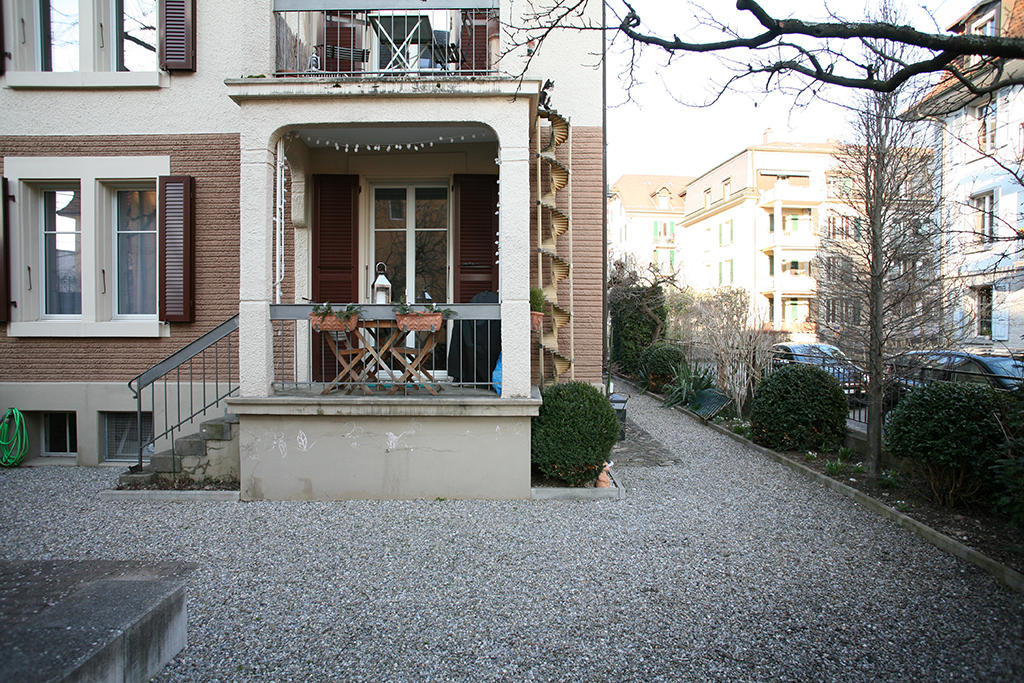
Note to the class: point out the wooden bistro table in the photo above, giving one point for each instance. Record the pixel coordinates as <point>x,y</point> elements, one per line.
<point>365,354</point>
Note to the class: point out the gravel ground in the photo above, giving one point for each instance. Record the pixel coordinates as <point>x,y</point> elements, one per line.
<point>723,566</point>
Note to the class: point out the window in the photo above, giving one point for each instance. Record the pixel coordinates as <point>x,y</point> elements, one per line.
<point>62,251</point>
<point>771,222</point>
<point>121,435</point>
<point>98,43</point>
<point>135,251</point>
<point>725,272</point>
<point>707,198</point>
<point>413,243</point>
<point>771,265</point>
<point>725,234</point>
<point>726,188</point>
<point>983,310</point>
<point>839,186</point>
<point>984,220</point>
<point>85,250</point>
<point>60,434</point>
<point>985,115</point>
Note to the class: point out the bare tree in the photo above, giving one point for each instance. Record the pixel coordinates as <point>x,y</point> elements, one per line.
<point>739,341</point>
<point>770,50</point>
<point>882,283</point>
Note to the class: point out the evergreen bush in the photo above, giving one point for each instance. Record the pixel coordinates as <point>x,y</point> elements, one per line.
<point>799,407</point>
<point>657,364</point>
<point>632,329</point>
<point>573,433</point>
<point>951,432</point>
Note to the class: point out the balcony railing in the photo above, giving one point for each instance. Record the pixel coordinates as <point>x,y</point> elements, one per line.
<point>377,358</point>
<point>445,38</point>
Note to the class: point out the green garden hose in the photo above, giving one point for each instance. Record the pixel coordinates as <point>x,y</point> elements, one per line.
<point>13,438</point>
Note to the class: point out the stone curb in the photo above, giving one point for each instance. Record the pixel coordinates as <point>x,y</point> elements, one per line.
<point>157,495</point>
<point>613,492</point>
<point>1005,575</point>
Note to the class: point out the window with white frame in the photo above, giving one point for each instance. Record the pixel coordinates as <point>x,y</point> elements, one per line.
<point>985,116</point>
<point>983,217</point>
<point>84,250</point>
<point>79,38</point>
<point>726,188</point>
<point>983,310</point>
<point>707,198</point>
<point>60,434</point>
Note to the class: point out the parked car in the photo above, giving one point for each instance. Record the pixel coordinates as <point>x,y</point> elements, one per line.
<point>851,377</point>
<point>915,368</point>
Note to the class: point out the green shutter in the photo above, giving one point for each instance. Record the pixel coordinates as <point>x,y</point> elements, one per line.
<point>655,229</point>
<point>771,222</point>
<point>672,226</point>
<point>856,229</point>
<point>732,236</point>
<point>732,272</point>
<point>672,259</point>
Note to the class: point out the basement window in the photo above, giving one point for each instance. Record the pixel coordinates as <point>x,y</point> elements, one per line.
<point>121,435</point>
<point>60,434</point>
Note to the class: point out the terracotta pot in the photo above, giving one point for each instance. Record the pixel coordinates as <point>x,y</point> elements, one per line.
<point>419,321</point>
<point>331,322</point>
<point>536,321</point>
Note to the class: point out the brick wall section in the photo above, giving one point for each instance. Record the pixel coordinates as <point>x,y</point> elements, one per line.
<point>588,204</point>
<point>214,160</point>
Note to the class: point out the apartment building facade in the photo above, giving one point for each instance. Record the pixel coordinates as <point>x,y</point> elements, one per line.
<point>644,212</point>
<point>175,170</point>
<point>981,142</point>
<point>754,222</point>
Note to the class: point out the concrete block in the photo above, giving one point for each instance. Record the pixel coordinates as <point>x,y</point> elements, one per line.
<point>219,429</point>
<point>193,444</point>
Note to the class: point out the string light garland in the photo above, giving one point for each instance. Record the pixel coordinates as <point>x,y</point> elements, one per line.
<point>415,146</point>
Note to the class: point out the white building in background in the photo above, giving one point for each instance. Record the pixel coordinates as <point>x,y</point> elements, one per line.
<point>982,148</point>
<point>753,222</point>
<point>644,214</point>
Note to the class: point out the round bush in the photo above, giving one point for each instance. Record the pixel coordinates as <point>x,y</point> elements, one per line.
<point>573,433</point>
<point>951,432</point>
<point>657,364</point>
<point>799,407</point>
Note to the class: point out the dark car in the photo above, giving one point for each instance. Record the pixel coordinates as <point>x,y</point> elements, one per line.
<point>830,358</point>
<point>916,368</point>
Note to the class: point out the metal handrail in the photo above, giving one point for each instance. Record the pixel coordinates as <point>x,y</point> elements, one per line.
<point>173,363</point>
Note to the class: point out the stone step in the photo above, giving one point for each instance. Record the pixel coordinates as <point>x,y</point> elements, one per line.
<point>92,620</point>
<point>218,429</point>
<point>165,461</point>
<point>192,445</point>
<point>137,478</point>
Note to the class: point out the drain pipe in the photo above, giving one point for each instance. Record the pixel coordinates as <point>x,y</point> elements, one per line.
<point>279,265</point>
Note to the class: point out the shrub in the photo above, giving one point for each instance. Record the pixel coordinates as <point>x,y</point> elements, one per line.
<point>1008,470</point>
<point>799,408</point>
<point>952,435</point>
<point>632,329</point>
<point>573,433</point>
<point>687,381</point>
<point>656,365</point>
<point>536,299</point>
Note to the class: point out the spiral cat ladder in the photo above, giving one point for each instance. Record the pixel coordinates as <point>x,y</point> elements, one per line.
<point>554,219</point>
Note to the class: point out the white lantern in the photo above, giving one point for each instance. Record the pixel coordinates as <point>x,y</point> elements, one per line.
<point>381,286</point>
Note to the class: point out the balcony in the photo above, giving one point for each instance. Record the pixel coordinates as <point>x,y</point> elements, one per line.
<point>789,285</point>
<point>437,38</point>
<point>803,238</point>
<point>792,195</point>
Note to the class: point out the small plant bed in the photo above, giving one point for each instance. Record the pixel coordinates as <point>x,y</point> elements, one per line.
<point>182,484</point>
<point>972,526</point>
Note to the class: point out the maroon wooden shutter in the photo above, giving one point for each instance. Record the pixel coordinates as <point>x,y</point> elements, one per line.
<point>335,255</point>
<point>335,238</point>
<point>177,234</point>
<point>343,49</point>
<point>178,35</point>
<point>476,231</point>
<point>5,256</point>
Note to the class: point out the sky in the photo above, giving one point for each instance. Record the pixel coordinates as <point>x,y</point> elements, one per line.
<point>650,131</point>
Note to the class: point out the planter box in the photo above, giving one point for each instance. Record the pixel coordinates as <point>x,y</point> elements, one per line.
<point>332,323</point>
<point>536,321</point>
<point>419,321</point>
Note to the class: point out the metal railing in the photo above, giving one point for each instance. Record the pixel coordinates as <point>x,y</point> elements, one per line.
<point>432,38</point>
<point>191,381</point>
<point>377,358</point>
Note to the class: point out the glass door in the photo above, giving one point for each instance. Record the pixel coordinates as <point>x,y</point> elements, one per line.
<point>410,235</point>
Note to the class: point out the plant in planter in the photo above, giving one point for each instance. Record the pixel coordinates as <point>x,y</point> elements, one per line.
<point>536,309</point>
<point>431,318</point>
<point>325,318</point>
